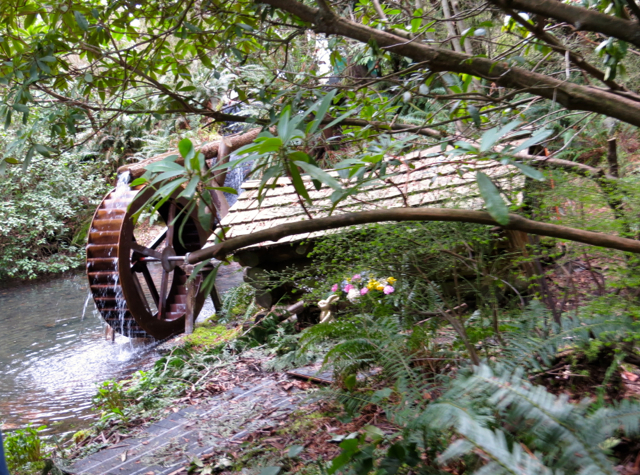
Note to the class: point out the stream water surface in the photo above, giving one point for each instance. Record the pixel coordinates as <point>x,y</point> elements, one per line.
<point>53,351</point>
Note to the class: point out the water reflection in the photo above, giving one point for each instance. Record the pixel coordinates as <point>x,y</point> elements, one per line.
<point>53,352</point>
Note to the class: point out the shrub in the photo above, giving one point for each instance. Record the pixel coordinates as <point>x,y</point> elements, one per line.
<point>44,217</point>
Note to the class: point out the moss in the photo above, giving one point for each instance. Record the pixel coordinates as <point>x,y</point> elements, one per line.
<point>81,435</point>
<point>209,334</point>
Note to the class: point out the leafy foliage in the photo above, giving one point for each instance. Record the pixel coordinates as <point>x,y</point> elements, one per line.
<point>45,216</point>
<point>24,450</point>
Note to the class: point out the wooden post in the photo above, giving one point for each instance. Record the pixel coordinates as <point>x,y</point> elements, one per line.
<point>192,291</point>
<point>612,158</point>
<point>215,298</point>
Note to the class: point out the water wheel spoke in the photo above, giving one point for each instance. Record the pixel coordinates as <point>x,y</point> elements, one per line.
<point>146,251</point>
<point>158,239</point>
<point>170,226</point>
<point>164,285</point>
<point>150,284</point>
<point>166,269</point>
<point>136,283</point>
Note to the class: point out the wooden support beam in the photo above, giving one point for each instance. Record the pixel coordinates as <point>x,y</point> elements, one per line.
<point>193,286</point>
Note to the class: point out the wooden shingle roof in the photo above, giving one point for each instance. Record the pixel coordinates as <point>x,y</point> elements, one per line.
<point>434,181</point>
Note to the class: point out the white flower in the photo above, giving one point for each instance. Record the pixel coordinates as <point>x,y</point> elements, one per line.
<point>353,295</point>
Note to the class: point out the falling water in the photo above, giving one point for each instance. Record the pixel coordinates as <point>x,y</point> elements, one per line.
<point>86,305</point>
<point>122,188</point>
<point>235,177</point>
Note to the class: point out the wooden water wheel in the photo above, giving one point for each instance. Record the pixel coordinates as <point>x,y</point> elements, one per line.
<point>139,290</point>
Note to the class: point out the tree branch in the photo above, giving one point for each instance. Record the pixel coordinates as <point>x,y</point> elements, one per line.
<point>219,251</point>
<point>572,96</point>
<point>557,46</point>
<point>584,19</point>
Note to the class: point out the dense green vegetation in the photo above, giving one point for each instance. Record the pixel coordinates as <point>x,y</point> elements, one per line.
<point>491,356</point>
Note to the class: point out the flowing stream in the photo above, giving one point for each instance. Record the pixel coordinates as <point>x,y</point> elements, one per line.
<point>53,351</point>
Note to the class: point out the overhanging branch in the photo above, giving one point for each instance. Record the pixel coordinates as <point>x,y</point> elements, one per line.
<point>516,222</point>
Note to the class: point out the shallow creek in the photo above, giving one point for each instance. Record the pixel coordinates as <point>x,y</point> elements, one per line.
<point>53,351</point>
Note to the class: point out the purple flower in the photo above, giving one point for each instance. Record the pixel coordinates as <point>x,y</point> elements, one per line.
<point>388,289</point>
<point>348,287</point>
<point>363,291</point>
<point>334,288</point>
<point>356,277</point>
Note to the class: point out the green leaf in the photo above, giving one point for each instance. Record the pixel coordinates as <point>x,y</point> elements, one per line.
<point>492,199</point>
<point>535,139</point>
<point>466,146</point>
<point>185,147</point>
<point>319,174</point>
<point>11,160</point>
<point>298,184</point>
<point>21,108</point>
<point>42,150</point>
<point>27,158</point>
<point>489,139</point>
<point>190,188</point>
<point>340,119</point>
<point>165,165</point>
<point>81,20</point>
<point>373,432</point>
<point>300,156</point>
<point>270,145</point>
<point>416,23</point>
<point>350,382</point>
<point>138,181</point>
<point>530,172</point>
<point>475,115</point>
<point>283,124</point>
<point>192,28</point>
<point>323,107</point>
<point>295,450</point>
<point>167,175</point>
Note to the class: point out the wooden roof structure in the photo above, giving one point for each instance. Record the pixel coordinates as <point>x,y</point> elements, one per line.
<point>426,178</point>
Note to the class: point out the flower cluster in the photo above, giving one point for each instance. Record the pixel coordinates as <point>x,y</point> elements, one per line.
<point>356,287</point>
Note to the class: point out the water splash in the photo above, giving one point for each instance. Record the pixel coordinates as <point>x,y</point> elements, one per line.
<point>50,359</point>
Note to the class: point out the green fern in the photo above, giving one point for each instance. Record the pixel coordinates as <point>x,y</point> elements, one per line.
<point>530,347</point>
<point>567,436</point>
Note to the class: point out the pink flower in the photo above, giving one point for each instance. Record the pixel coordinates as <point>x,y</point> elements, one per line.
<point>356,277</point>
<point>388,289</point>
<point>363,291</point>
<point>348,287</point>
<point>334,288</point>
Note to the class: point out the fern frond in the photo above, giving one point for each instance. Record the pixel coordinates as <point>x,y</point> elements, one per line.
<point>493,444</point>
<point>530,348</point>
<point>570,436</point>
